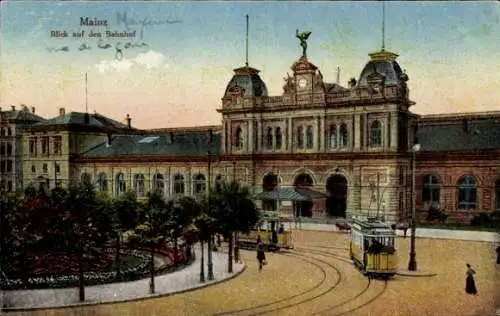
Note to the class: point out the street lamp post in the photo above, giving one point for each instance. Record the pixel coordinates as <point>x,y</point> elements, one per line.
<point>2,252</point>
<point>412,264</point>
<point>210,246</point>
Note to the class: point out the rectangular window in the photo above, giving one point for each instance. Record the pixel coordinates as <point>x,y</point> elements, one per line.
<point>309,137</point>
<point>45,168</point>
<point>45,145</point>
<point>401,175</point>
<point>57,168</point>
<point>32,145</point>
<point>56,144</point>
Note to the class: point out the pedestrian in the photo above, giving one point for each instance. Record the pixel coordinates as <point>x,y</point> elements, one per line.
<point>405,228</point>
<point>470,284</point>
<point>261,256</point>
<point>498,254</point>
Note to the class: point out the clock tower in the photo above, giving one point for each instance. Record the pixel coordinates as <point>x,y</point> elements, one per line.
<point>305,75</point>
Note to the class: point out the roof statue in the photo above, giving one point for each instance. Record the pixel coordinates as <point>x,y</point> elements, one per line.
<point>303,40</point>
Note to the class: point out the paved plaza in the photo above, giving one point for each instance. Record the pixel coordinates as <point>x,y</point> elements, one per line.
<point>317,278</point>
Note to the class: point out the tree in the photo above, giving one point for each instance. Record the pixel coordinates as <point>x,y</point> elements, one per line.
<point>183,214</point>
<point>82,210</point>
<point>153,229</point>
<point>207,227</point>
<point>235,212</point>
<point>124,215</point>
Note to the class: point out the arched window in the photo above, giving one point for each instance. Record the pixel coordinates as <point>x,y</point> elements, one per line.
<point>158,183</point>
<point>278,137</point>
<point>218,183</point>
<point>332,136</point>
<point>9,149</point>
<point>3,132</point>
<point>269,138</point>
<point>9,131</point>
<point>200,184</point>
<point>139,185</point>
<point>467,193</point>
<point>86,178</point>
<point>178,184</point>
<point>238,141</point>
<point>430,188</point>
<point>102,182</point>
<point>376,134</point>
<point>497,195</point>
<point>309,137</point>
<point>343,139</point>
<point>300,137</point>
<point>120,185</point>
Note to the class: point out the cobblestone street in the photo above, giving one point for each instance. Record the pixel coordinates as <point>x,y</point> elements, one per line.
<point>317,278</point>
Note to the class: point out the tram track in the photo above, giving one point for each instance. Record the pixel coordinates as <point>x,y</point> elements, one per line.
<point>340,278</point>
<point>370,284</point>
<point>330,254</point>
<point>369,293</point>
<point>302,293</point>
<point>339,309</point>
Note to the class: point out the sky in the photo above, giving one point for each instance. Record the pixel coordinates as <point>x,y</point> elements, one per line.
<point>450,50</point>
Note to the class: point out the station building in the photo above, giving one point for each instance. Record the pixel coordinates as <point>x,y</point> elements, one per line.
<point>355,144</point>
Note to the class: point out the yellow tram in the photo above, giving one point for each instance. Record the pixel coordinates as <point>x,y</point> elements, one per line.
<point>371,246</point>
<point>272,231</point>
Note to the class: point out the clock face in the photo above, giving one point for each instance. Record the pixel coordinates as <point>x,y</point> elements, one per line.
<point>302,83</point>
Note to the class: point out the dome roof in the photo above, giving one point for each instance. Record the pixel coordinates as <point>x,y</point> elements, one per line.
<point>382,64</point>
<point>248,80</point>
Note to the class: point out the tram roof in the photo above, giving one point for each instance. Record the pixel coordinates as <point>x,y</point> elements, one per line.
<point>370,224</point>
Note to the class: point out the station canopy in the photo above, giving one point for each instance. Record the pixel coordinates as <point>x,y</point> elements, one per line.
<point>290,194</point>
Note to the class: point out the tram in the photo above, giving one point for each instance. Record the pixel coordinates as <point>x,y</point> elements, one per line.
<point>271,230</point>
<point>371,246</point>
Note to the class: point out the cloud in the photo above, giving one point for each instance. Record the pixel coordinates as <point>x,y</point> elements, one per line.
<point>148,60</point>
<point>116,65</point>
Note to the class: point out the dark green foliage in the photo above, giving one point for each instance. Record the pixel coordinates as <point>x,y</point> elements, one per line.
<point>435,213</point>
<point>490,220</point>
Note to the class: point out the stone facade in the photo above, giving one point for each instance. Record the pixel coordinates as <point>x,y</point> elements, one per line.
<point>12,125</point>
<point>354,144</point>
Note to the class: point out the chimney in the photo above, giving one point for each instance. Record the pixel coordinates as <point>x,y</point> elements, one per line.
<point>62,111</point>
<point>33,109</point>
<point>25,108</point>
<point>108,140</point>
<point>466,125</point>
<point>170,138</point>
<point>13,107</point>
<point>129,120</point>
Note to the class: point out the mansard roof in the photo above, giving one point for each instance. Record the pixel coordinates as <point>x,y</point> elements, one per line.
<point>184,143</point>
<point>462,133</point>
<point>82,121</point>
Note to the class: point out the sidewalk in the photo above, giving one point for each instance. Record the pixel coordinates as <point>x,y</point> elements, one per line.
<point>179,281</point>
<point>420,232</point>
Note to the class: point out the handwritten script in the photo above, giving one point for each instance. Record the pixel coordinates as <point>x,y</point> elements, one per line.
<point>129,22</point>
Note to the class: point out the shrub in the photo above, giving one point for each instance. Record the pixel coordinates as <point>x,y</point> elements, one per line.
<point>91,278</point>
<point>482,219</point>
<point>435,213</point>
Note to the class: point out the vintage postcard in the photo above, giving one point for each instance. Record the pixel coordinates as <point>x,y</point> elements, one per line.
<point>250,158</point>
